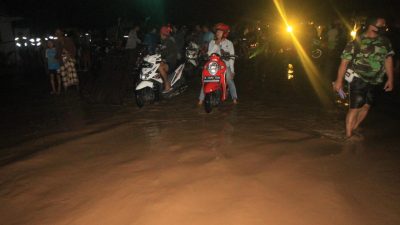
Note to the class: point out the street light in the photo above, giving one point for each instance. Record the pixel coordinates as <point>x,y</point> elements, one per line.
<point>353,33</point>
<point>289,29</point>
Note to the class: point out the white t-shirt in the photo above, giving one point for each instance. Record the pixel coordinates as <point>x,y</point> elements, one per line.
<point>227,46</point>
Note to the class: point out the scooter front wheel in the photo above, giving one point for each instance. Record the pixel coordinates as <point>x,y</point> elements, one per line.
<point>139,99</point>
<point>208,103</point>
<point>145,95</point>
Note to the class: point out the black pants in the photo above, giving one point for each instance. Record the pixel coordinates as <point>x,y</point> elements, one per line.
<point>361,93</point>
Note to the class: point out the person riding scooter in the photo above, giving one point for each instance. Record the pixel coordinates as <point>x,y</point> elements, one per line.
<point>221,45</point>
<point>169,53</point>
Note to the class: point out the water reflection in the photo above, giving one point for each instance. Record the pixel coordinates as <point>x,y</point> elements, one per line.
<point>290,71</point>
<point>343,102</point>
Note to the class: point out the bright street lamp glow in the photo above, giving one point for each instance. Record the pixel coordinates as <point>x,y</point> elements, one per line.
<point>289,29</point>
<point>353,34</point>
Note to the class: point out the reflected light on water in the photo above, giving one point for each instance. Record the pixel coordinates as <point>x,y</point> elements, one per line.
<point>343,102</point>
<point>290,73</point>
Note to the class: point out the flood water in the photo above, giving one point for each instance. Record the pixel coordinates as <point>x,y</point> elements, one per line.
<point>278,157</point>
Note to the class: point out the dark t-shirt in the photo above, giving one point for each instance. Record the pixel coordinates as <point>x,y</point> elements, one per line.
<point>169,51</point>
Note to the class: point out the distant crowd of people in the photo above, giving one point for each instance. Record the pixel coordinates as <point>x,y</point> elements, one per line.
<point>369,57</point>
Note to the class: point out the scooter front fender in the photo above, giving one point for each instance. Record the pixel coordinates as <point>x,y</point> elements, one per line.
<point>193,62</point>
<point>144,84</point>
<point>211,87</point>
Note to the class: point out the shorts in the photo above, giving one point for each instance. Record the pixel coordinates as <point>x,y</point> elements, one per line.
<point>171,66</point>
<point>361,93</point>
<point>53,71</point>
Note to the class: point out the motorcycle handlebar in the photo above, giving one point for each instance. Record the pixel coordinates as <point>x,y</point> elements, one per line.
<point>229,56</point>
<point>224,57</point>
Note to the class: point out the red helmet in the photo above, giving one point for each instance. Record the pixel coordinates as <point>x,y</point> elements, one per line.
<point>165,30</point>
<point>223,27</point>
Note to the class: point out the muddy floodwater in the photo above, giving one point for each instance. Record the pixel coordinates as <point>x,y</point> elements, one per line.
<point>278,157</point>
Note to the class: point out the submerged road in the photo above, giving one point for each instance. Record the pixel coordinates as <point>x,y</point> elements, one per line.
<point>278,157</point>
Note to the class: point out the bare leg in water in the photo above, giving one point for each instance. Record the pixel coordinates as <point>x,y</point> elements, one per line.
<point>52,83</point>
<point>58,78</point>
<point>163,69</point>
<point>354,118</point>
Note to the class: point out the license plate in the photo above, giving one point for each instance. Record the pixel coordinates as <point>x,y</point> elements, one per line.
<point>211,79</point>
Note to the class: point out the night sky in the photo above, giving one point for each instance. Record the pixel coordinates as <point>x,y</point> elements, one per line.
<point>102,13</point>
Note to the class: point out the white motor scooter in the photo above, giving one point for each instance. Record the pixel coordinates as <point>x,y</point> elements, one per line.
<point>150,84</point>
<point>192,53</point>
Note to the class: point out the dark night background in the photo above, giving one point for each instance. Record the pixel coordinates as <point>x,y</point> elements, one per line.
<point>101,13</point>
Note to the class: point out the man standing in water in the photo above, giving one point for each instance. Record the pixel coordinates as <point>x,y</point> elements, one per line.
<point>370,57</point>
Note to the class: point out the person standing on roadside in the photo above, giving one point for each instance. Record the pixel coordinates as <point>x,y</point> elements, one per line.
<point>65,43</point>
<point>53,68</point>
<point>370,56</point>
<point>66,53</point>
<point>332,37</point>
<point>133,39</point>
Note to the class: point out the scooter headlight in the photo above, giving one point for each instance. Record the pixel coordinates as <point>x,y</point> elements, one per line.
<point>190,54</point>
<point>213,68</point>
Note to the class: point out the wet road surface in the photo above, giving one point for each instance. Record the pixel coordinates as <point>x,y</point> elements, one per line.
<point>277,157</point>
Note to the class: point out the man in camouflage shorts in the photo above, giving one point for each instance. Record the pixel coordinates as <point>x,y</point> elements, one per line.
<point>370,57</point>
